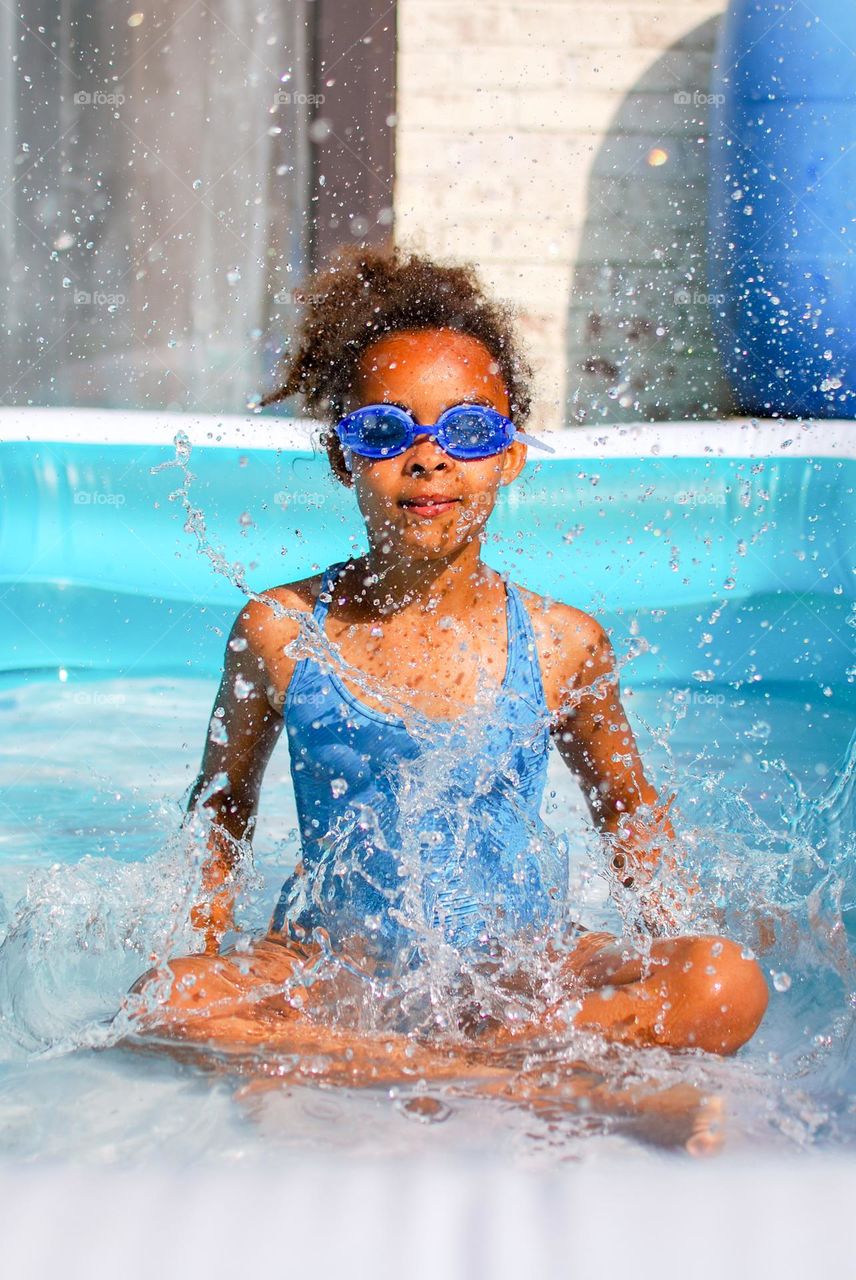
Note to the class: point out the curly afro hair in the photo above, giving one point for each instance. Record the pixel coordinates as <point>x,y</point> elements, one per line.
<point>365,294</point>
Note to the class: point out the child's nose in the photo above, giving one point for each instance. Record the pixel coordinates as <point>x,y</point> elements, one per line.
<point>425,453</point>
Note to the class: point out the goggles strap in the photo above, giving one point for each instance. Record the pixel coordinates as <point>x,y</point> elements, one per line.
<point>530,440</point>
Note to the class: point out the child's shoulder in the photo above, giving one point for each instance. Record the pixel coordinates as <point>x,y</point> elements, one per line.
<point>557,621</point>
<point>265,628</point>
<point>571,643</point>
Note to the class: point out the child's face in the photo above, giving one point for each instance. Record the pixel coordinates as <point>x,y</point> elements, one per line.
<point>426,371</point>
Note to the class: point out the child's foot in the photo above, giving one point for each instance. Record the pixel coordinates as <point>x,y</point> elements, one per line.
<point>680,1116</point>
<point>708,1128</point>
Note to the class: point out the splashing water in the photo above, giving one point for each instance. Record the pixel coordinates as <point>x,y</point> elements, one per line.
<point>772,854</point>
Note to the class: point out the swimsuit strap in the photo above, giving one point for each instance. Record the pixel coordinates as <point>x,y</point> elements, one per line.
<point>524,663</point>
<point>328,581</point>
<point>305,668</point>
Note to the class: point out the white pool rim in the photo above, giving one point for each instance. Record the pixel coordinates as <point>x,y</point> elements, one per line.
<point>726,438</point>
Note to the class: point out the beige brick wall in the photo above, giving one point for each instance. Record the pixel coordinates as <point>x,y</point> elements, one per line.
<point>525,140</point>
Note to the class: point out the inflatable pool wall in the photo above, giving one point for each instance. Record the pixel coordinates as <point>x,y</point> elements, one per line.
<point>782,225</point>
<point>656,529</point>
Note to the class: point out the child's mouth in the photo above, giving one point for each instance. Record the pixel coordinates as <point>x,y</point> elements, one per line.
<point>428,505</point>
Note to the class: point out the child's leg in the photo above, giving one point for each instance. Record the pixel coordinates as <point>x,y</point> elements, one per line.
<point>235,1001</point>
<point>689,993</point>
<point>236,997</point>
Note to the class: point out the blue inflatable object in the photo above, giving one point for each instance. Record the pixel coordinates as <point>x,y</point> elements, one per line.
<point>782,230</point>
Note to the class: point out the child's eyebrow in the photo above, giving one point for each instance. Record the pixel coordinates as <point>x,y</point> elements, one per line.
<point>476,399</point>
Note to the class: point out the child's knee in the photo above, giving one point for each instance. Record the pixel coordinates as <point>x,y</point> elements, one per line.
<point>728,987</point>
<point>183,980</point>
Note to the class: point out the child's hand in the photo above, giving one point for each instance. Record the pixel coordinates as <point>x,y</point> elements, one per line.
<point>662,910</point>
<point>214,920</point>
<point>213,916</point>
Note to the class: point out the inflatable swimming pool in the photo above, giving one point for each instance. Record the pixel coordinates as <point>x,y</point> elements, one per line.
<point>635,523</point>
<point>721,558</point>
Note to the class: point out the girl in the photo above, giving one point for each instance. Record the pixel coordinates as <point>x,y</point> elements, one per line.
<point>418,689</point>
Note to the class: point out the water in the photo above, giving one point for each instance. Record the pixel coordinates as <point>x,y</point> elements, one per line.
<point>733,626</point>
<point>94,886</point>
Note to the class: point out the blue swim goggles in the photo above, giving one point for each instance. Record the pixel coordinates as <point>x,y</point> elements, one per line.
<point>464,431</point>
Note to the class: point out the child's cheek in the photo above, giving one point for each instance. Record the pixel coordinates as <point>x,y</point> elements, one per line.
<point>479,505</point>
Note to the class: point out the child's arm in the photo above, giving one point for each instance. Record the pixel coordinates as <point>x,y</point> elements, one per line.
<point>242,732</point>
<point>596,742</point>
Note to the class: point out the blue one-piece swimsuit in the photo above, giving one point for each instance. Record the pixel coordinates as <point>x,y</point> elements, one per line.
<point>410,841</point>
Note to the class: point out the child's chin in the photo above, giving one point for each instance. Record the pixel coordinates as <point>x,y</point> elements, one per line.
<point>426,542</point>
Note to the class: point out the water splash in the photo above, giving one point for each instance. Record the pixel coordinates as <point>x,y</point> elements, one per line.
<point>781,881</point>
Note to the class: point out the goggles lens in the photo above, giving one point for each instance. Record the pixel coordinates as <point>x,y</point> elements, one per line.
<point>380,432</point>
<point>474,433</point>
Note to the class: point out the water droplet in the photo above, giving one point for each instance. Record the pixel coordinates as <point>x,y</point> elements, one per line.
<point>338,787</point>
<point>781,981</point>
<point>218,733</point>
<point>243,688</point>
<point>320,129</point>
<point>182,446</point>
<point>424,1110</point>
